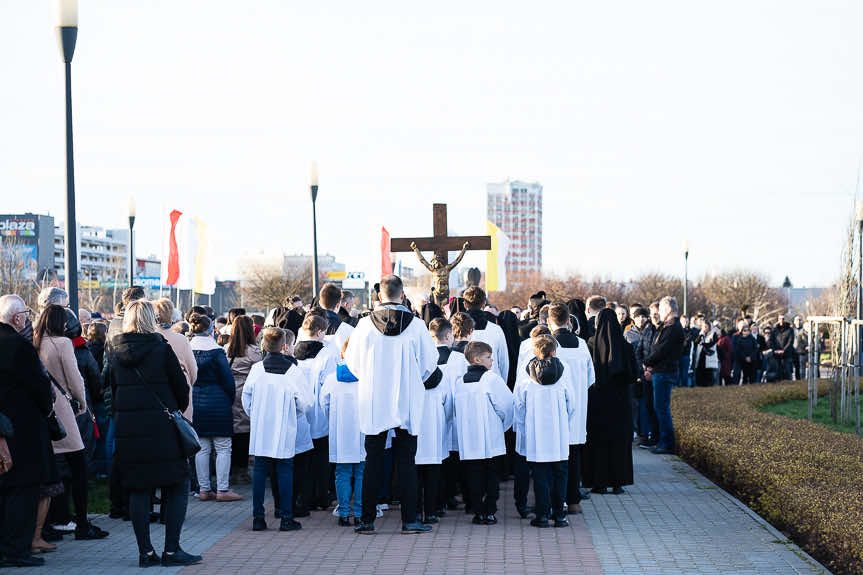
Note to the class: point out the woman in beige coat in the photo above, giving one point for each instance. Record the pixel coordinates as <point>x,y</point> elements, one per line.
<point>58,356</point>
<point>180,344</point>
<point>242,353</point>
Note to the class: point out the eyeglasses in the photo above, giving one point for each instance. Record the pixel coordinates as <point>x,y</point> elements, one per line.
<point>28,311</point>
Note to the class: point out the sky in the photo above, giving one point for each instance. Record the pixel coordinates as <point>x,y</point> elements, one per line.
<point>734,125</point>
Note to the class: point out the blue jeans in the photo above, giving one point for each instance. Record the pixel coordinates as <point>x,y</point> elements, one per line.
<point>345,472</point>
<point>662,386</point>
<point>285,473</point>
<point>685,380</point>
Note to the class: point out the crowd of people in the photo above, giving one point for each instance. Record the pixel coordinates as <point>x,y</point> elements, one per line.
<point>426,405</point>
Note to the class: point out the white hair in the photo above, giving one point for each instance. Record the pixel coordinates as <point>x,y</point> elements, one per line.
<point>10,305</point>
<point>50,296</point>
<point>670,302</point>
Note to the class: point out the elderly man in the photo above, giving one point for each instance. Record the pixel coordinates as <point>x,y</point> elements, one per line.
<point>662,366</point>
<point>25,398</point>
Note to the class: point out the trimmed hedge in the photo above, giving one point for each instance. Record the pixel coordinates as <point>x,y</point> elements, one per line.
<point>802,477</point>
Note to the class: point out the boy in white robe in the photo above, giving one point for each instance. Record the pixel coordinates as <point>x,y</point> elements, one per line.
<point>339,403</point>
<point>317,360</point>
<point>573,352</point>
<point>543,408</point>
<point>433,439</point>
<point>338,331</point>
<point>392,354</point>
<point>275,396</point>
<point>484,411</point>
<point>486,330</point>
<point>521,469</point>
<point>454,477</point>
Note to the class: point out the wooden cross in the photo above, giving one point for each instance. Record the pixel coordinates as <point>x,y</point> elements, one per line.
<point>440,243</point>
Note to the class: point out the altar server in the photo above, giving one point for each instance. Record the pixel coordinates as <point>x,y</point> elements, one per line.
<point>486,330</point>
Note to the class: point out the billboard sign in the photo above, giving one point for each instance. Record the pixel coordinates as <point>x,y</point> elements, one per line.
<point>354,280</point>
<point>18,226</point>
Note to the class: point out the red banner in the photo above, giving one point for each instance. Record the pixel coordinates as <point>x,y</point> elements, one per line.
<point>173,252</point>
<point>386,256</point>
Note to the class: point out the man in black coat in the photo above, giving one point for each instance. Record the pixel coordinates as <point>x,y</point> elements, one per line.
<point>25,398</point>
<point>662,366</point>
<point>782,344</point>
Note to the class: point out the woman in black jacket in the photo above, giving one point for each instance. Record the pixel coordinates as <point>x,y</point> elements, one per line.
<point>146,374</point>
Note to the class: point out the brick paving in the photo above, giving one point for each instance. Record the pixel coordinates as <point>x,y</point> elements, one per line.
<point>672,521</point>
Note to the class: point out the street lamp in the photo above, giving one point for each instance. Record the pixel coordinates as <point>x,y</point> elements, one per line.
<point>787,285</point>
<point>860,272</point>
<point>67,34</point>
<point>313,186</point>
<point>685,274</point>
<point>131,241</point>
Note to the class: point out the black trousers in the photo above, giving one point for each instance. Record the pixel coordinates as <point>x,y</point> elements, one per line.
<point>404,454</point>
<point>521,483</point>
<point>549,484</point>
<point>321,472</point>
<point>118,494</point>
<point>573,476</point>
<point>302,482</point>
<point>483,485</point>
<point>450,471</point>
<point>748,371</point>
<point>240,451</point>
<point>175,498</point>
<point>17,519</point>
<point>429,488</point>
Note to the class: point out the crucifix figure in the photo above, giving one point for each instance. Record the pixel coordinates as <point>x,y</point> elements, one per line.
<point>440,243</point>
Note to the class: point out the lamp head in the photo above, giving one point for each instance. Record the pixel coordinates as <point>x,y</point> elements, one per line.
<point>313,180</point>
<point>860,212</point>
<point>67,13</point>
<point>132,206</point>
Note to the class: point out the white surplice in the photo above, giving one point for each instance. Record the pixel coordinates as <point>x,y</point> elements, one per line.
<point>542,413</point>
<point>317,369</point>
<point>483,411</point>
<point>494,337</point>
<point>275,404</point>
<point>391,370</point>
<point>337,340</point>
<point>580,376</point>
<point>456,367</point>
<point>433,437</point>
<point>338,399</point>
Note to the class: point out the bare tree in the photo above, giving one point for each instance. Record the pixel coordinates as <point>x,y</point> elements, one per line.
<point>264,287</point>
<point>739,293</point>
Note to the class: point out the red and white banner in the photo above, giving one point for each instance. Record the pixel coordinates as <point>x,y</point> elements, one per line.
<point>188,264</point>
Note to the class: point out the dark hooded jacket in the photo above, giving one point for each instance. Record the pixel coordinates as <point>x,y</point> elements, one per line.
<point>213,394</point>
<point>147,448</point>
<point>25,398</point>
<point>508,322</point>
<point>345,317</point>
<point>545,371</point>
<point>391,318</point>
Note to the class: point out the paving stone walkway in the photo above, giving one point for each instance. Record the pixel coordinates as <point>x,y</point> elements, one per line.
<point>672,521</point>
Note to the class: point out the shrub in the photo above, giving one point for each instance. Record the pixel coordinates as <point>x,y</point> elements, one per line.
<point>802,477</point>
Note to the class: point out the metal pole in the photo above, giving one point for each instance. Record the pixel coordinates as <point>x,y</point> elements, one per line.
<point>68,37</point>
<point>314,244</point>
<point>810,382</point>
<point>131,251</point>
<point>859,290</point>
<point>685,281</point>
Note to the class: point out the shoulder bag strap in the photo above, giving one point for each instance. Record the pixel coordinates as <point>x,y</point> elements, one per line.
<point>156,395</point>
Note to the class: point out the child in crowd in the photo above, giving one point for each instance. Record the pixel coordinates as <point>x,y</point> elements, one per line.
<point>433,438</point>
<point>483,412</point>
<point>318,361</point>
<point>338,400</point>
<point>543,407</point>
<point>275,395</point>
<point>462,330</point>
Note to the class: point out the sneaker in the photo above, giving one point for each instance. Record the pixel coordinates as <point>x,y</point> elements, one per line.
<point>478,520</point>
<point>490,519</point>
<point>206,496</point>
<point>290,525</point>
<point>336,511</point>
<point>180,557</point>
<point>585,495</point>
<point>228,496</point>
<point>383,507</point>
<point>67,528</point>
<point>365,529</point>
<point>561,523</point>
<point>148,559</point>
<point>379,511</point>
<point>415,528</point>
<point>259,524</point>
<point>344,521</point>
<point>539,522</point>
<point>617,490</point>
<point>662,450</point>
<point>522,511</point>
<point>431,520</point>
<point>647,444</point>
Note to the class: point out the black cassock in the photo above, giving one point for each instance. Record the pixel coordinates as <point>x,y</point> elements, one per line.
<point>608,453</point>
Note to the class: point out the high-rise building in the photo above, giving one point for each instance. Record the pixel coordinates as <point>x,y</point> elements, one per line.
<point>516,208</point>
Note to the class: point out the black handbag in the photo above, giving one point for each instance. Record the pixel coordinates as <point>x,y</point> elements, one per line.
<point>187,437</point>
<point>56,428</point>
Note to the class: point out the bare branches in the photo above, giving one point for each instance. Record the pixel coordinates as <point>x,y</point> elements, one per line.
<point>264,287</point>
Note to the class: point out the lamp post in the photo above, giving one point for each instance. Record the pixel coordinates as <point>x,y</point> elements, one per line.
<point>131,241</point>
<point>860,278</point>
<point>787,285</point>
<point>67,34</point>
<point>685,275</point>
<point>313,186</point>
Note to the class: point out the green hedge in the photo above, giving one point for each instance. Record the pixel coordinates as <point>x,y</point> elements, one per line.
<point>802,477</point>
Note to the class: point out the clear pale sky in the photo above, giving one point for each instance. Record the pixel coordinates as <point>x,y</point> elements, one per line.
<point>735,124</point>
